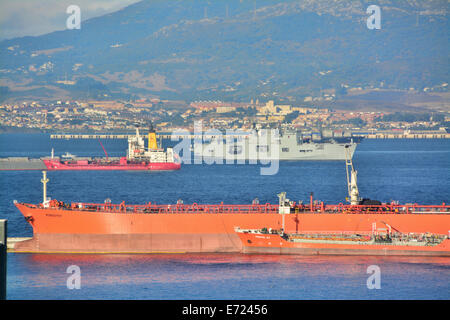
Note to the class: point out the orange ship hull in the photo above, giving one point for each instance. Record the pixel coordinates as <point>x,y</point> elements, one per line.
<point>275,244</point>
<point>96,231</point>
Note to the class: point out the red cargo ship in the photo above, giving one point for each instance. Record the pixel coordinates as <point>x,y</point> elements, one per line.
<point>138,158</point>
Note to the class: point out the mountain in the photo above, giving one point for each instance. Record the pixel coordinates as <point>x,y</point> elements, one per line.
<point>233,50</point>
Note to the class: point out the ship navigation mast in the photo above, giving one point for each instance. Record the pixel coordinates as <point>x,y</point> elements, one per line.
<point>44,181</point>
<point>284,207</point>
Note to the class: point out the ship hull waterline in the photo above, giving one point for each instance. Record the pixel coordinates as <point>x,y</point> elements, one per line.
<point>72,231</point>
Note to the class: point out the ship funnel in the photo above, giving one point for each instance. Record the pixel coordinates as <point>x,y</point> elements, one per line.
<point>152,144</point>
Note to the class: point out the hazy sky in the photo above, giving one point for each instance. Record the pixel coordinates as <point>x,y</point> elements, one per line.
<point>35,17</point>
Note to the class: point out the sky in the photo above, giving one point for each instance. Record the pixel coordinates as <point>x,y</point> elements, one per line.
<point>20,18</point>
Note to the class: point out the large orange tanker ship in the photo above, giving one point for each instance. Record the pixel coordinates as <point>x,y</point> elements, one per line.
<point>149,228</point>
<point>81,227</point>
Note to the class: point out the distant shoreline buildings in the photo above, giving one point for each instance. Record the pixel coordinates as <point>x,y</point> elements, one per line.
<point>166,115</point>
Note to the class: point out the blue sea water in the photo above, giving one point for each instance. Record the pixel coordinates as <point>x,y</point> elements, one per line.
<point>410,171</point>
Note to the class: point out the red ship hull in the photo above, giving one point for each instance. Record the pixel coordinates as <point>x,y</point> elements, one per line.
<point>55,165</point>
<point>154,228</point>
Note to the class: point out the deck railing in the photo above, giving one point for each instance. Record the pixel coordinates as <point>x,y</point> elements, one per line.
<point>254,208</point>
<point>385,208</point>
<point>177,208</point>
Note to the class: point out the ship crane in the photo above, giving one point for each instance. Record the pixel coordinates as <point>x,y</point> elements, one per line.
<point>353,192</point>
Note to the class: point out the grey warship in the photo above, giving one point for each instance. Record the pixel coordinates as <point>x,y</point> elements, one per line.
<point>288,145</point>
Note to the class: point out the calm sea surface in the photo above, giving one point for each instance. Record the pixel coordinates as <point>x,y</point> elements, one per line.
<point>410,171</point>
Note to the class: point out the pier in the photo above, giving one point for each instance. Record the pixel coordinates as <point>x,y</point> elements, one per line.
<point>3,258</point>
<point>408,136</point>
<point>402,134</point>
<point>372,135</point>
<point>126,136</point>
